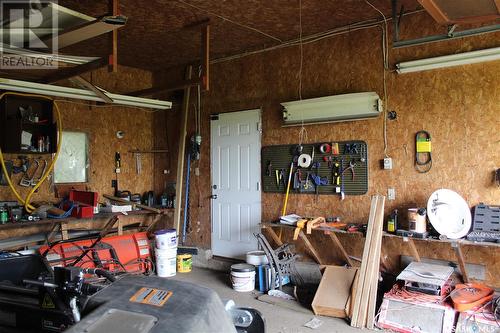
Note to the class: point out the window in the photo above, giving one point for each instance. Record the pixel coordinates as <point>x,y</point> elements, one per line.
<point>72,164</point>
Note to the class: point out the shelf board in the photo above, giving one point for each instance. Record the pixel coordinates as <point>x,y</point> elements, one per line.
<point>385,234</point>
<point>27,224</point>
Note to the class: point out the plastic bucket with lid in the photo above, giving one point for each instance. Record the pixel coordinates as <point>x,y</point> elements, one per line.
<point>166,262</point>
<point>166,238</point>
<point>243,277</point>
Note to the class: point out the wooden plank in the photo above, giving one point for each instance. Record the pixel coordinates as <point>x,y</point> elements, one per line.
<point>372,301</point>
<point>205,57</point>
<point>372,265</point>
<point>181,153</point>
<point>273,235</point>
<point>364,261</point>
<point>337,242</point>
<point>310,247</point>
<point>413,249</point>
<point>120,228</point>
<point>461,261</point>
<point>64,231</point>
<point>433,10</point>
<point>89,86</point>
<point>69,72</point>
<point>113,56</point>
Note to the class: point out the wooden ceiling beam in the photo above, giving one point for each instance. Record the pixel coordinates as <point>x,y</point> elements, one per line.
<point>205,57</point>
<point>66,73</point>
<point>113,56</point>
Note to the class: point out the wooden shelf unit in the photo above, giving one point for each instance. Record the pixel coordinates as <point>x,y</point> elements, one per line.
<point>456,244</point>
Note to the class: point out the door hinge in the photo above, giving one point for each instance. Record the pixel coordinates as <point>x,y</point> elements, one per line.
<point>214,116</point>
<point>259,127</point>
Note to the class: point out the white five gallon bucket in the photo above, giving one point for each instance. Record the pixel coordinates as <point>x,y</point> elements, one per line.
<point>166,262</point>
<point>243,277</point>
<point>166,239</point>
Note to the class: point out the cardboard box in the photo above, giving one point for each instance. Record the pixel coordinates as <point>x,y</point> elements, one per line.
<point>334,291</point>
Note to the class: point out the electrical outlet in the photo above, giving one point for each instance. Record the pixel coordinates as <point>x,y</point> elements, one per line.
<point>387,163</point>
<point>197,172</point>
<point>391,194</point>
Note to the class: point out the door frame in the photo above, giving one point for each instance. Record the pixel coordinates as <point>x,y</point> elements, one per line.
<point>258,165</point>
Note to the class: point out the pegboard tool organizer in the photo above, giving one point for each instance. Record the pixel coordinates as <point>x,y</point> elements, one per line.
<point>279,157</point>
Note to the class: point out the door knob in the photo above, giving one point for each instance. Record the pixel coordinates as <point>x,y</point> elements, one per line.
<point>213,196</point>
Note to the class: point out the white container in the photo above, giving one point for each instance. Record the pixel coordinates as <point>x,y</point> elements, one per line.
<point>243,277</point>
<point>166,239</point>
<point>166,262</point>
<point>257,258</point>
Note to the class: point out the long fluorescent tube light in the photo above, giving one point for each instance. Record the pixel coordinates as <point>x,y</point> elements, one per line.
<point>449,60</point>
<point>82,94</point>
<point>346,107</point>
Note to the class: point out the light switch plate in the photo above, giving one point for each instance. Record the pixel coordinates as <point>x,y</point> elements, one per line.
<point>391,194</point>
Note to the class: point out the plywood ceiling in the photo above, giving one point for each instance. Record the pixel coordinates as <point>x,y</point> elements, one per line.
<point>155,37</point>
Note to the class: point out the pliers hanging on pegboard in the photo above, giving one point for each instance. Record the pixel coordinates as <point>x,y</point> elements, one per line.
<point>351,167</point>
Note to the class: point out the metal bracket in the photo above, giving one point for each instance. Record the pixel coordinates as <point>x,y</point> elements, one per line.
<point>451,29</point>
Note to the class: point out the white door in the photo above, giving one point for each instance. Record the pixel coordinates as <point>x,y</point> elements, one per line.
<point>236,196</point>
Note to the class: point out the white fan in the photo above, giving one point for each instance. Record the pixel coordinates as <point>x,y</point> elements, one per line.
<point>449,214</point>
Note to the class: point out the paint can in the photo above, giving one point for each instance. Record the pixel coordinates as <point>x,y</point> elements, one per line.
<point>417,220</point>
<point>243,277</point>
<point>257,258</point>
<point>184,263</point>
<point>166,239</point>
<point>166,262</point>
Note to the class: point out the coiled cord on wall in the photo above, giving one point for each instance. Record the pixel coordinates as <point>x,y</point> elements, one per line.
<point>423,160</point>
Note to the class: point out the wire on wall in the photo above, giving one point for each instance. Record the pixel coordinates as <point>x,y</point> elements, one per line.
<point>385,59</point>
<point>303,131</point>
<point>231,21</point>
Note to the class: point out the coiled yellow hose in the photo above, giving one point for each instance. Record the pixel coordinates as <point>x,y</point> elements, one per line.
<point>26,201</point>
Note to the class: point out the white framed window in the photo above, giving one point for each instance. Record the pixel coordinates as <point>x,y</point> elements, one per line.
<point>72,164</point>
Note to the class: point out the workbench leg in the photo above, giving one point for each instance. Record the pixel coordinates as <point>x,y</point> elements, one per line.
<point>337,242</point>
<point>413,250</point>
<point>64,231</point>
<point>120,227</point>
<point>310,247</point>
<point>273,235</point>
<point>461,261</point>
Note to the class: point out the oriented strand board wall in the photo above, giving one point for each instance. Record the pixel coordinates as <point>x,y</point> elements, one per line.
<point>101,125</point>
<point>458,106</point>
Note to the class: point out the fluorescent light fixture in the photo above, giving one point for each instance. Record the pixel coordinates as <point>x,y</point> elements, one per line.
<point>449,60</point>
<point>347,107</point>
<point>82,94</point>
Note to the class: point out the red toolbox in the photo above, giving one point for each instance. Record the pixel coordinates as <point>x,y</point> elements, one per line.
<point>128,253</point>
<point>84,203</point>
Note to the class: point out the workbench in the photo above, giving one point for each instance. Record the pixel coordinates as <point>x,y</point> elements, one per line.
<point>146,220</point>
<point>456,244</point>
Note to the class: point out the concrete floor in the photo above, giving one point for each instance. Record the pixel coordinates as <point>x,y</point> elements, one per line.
<point>278,319</point>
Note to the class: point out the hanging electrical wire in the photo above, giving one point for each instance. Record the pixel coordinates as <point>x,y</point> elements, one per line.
<point>385,60</point>
<point>303,131</point>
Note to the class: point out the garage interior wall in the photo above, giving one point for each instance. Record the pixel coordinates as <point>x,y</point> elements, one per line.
<point>458,106</point>
<point>101,125</point>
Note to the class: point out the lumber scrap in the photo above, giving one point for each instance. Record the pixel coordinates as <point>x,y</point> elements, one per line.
<point>366,287</point>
